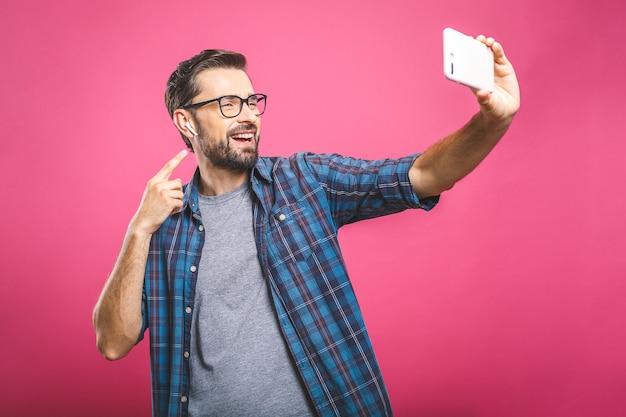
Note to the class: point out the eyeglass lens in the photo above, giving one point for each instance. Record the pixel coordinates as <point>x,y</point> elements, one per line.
<point>231,105</point>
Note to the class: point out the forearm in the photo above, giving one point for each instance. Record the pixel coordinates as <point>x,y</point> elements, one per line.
<point>117,316</point>
<point>455,156</point>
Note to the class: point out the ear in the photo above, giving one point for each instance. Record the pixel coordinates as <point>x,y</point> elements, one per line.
<point>180,119</point>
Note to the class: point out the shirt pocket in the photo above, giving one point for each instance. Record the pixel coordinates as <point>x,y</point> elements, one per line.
<point>295,233</point>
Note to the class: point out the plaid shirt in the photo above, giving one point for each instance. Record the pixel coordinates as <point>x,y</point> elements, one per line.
<point>300,204</point>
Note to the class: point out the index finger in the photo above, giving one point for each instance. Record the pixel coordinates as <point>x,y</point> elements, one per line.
<point>166,171</point>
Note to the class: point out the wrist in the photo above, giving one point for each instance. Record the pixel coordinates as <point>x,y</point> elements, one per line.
<point>492,123</point>
<point>139,230</point>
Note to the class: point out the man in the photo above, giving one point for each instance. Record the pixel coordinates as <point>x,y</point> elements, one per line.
<point>239,275</point>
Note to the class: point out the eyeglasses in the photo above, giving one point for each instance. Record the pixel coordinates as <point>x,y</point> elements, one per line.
<point>230,106</point>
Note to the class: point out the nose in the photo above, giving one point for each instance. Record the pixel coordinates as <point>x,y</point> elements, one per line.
<point>247,114</point>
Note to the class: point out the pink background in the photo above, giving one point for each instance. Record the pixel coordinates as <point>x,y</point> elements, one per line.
<point>507,300</point>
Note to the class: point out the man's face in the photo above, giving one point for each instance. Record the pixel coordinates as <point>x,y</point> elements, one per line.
<point>226,142</point>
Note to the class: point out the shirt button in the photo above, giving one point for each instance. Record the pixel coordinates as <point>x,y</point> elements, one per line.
<point>201,228</point>
<point>193,268</point>
<point>188,310</point>
<point>281,217</point>
<point>183,398</point>
<point>186,355</point>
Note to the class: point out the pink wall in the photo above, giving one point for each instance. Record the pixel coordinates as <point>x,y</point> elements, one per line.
<point>508,299</point>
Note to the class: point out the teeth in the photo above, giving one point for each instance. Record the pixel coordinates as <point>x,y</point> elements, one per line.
<point>243,136</point>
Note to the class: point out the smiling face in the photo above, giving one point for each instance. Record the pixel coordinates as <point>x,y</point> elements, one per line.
<point>222,142</point>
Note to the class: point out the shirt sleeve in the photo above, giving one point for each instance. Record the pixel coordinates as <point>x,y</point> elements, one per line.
<point>360,189</point>
<point>145,322</point>
<point>144,315</point>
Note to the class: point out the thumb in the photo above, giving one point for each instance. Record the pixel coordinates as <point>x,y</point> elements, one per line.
<point>486,100</point>
<point>483,97</point>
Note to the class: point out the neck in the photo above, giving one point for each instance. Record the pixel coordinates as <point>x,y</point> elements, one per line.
<point>215,181</point>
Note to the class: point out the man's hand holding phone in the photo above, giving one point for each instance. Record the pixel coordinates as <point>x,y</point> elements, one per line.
<point>504,102</point>
<point>481,65</point>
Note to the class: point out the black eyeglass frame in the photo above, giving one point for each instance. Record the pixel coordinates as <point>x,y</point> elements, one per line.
<point>219,102</point>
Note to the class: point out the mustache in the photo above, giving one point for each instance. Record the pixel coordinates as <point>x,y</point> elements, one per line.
<point>243,128</point>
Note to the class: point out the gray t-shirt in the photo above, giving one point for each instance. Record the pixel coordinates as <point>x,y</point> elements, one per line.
<point>239,362</point>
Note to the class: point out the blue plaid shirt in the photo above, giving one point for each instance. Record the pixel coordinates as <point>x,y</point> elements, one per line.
<point>300,203</point>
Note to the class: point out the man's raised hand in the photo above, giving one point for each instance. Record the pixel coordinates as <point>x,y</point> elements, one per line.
<point>504,102</point>
<point>161,198</point>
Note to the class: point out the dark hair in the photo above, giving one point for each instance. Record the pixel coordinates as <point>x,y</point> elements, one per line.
<point>182,85</point>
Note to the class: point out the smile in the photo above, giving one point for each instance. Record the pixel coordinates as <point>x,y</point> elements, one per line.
<point>243,136</point>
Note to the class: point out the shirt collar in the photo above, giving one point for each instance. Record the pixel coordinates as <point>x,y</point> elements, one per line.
<point>262,170</point>
<point>190,195</point>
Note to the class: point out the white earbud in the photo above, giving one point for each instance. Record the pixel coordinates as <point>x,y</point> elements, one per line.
<point>191,129</point>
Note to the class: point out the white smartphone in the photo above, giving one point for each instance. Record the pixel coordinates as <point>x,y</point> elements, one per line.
<point>467,61</point>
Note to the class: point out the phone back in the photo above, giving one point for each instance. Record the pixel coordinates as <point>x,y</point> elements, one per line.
<point>467,61</point>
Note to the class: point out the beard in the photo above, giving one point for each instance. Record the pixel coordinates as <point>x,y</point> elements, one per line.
<point>221,154</point>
